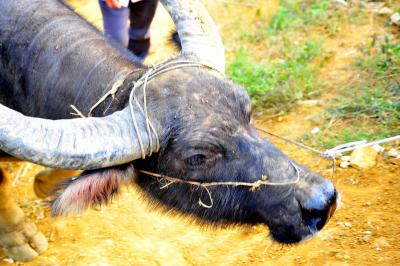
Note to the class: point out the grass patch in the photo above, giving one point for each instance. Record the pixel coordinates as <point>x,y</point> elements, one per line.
<point>370,109</point>
<point>285,69</point>
<point>277,86</point>
<point>301,17</point>
<point>291,71</point>
<point>295,14</point>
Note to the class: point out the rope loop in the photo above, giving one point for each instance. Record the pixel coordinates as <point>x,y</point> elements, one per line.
<point>142,82</point>
<point>331,154</point>
<point>206,185</point>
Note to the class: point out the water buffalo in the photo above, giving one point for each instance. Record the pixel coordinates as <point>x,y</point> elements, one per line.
<point>181,119</point>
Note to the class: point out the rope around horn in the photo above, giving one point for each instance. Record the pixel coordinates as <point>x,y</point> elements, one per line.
<point>142,82</point>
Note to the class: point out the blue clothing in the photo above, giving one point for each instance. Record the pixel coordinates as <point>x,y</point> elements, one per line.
<point>136,35</point>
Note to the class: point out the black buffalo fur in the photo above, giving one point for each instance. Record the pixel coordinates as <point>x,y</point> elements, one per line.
<point>51,58</point>
<point>175,40</point>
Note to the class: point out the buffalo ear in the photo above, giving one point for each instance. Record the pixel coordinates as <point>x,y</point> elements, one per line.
<point>90,189</point>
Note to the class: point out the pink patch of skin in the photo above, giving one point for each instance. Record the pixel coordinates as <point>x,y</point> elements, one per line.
<point>91,189</point>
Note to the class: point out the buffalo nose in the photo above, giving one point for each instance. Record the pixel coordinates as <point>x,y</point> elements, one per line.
<point>317,218</point>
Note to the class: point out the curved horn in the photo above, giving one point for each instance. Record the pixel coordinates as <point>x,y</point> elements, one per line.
<point>197,32</point>
<point>81,143</point>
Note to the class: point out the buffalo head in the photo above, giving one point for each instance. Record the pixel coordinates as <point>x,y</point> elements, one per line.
<point>210,138</point>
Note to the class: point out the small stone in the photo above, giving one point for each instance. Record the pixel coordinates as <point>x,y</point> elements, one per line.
<point>385,11</point>
<point>345,224</point>
<point>315,130</point>
<point>381,243</point>
<point>373,6</point>
<point>363,158</point>
<point>340,2</point>
<point>8,260</point>
<point>366,238</point>
<point>344,164</point>
<point>308,103</point>
<point>393,153</point>
<point>395,19</point>
<point>354,181</point>
<point>367,233</point>
<point>368,203</point>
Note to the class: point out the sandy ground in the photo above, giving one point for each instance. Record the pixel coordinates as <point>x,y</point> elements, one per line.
<point>363,231</point>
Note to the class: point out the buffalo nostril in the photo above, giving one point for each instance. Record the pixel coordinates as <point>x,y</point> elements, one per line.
<point>332,205</point>
<point>316,218</point>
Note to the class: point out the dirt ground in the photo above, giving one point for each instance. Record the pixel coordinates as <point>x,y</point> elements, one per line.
<point>364,231</point>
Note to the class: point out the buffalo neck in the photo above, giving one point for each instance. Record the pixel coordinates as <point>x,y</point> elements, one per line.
<point>52,59</point>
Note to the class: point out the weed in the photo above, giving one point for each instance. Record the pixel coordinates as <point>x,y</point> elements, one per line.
<point>294,14</point>
<point>277,86</point>
<point>370,109</point>
<point>382,60</point>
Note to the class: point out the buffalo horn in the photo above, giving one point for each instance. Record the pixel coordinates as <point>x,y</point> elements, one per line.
<point>197,32</point>
<point>80,143</point>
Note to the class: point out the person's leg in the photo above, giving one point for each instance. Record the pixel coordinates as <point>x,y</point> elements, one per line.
<point>141,16</point>
<point>115,22</point>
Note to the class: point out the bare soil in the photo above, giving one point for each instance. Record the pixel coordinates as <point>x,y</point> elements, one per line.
<point>364,231</point>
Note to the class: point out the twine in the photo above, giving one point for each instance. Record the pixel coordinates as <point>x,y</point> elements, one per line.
<point>151,73</point>
<point>205,185</point>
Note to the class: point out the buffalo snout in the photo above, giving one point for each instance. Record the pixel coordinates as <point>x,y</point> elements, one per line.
<point>298,203</point>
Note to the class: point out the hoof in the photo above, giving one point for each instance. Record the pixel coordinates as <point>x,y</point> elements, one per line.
<point>23,244</point>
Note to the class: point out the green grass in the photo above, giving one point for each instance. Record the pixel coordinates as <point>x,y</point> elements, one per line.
<point>295,14</point>
<point>382,58</point>
<point>291,72</point>
<point>370,109</point>
<point>294,18</point>
<point>379,104</point>
<point>277,86</point>
<point>292,43</point>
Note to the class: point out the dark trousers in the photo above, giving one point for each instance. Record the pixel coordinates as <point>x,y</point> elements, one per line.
<point>134,35</point>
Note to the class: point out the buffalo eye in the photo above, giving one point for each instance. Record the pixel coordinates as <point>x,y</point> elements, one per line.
<point>195,160</point>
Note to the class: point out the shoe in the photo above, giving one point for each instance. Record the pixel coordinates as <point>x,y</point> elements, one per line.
<point>140,48</point>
